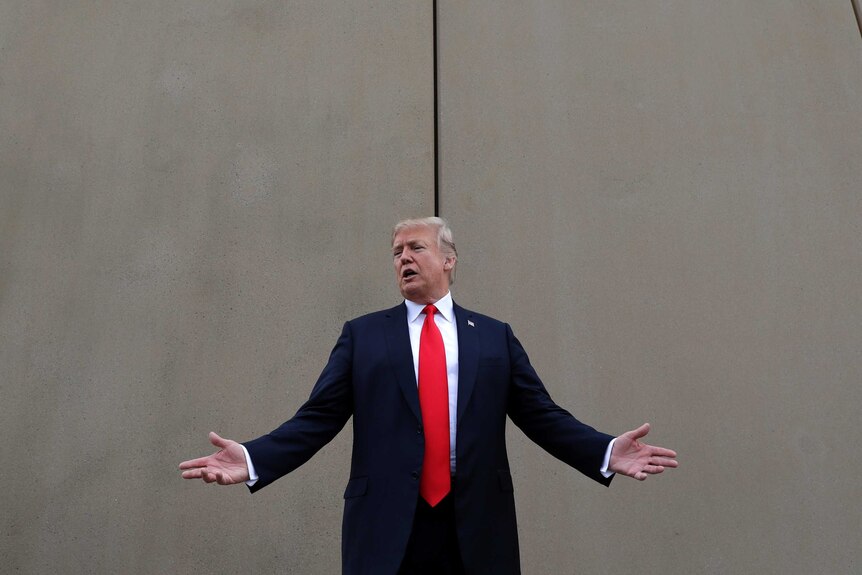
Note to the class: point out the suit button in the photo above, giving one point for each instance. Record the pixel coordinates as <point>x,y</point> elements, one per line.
<point>418,431</point>
<point>415,475</point>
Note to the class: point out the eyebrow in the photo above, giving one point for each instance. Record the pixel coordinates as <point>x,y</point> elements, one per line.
<point>410,243</point>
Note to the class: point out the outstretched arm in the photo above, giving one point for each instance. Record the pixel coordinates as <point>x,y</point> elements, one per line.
<point>639,460</point>
<point>225,467</point>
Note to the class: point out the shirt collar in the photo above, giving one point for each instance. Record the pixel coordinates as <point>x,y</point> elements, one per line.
<point>444,308</point>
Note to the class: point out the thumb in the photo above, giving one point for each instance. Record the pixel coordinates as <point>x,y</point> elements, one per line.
<point>639,432</point>
<point>217,440</point>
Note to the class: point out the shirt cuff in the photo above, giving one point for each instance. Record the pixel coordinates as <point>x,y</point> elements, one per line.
<point>607,460</point>
<point>252,474</point>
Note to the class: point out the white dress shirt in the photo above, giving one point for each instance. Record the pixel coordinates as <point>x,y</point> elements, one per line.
<point>444,319</point>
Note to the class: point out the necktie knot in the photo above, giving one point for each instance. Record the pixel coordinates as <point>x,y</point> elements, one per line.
<point>430,310</point>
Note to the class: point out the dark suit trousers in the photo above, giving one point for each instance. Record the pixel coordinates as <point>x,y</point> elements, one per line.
<point>433,545</point>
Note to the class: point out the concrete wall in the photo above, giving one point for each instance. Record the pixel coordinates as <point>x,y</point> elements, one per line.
<point>195,196</point>
<point>661,197</point>
<point>665,199</point>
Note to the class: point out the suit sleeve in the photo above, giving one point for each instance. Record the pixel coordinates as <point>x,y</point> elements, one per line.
<point>315,424</point>
<point>547,424</point>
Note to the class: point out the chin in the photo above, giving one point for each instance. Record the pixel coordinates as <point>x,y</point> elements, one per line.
<point>411,291</point>
<point>412,296</point>
<point>415,296</point>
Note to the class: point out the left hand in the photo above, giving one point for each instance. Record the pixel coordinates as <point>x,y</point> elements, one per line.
<point>225,467</point>
<point>635,459</point>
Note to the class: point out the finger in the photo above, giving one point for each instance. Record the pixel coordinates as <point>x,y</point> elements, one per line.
<point>639,432</point>
<point>653,469</point>
<point>664,462</point>
<point>662,451</point>
<point>640,476</point>
<point>191,474</point>
<point>207,476</point>
<point>199,462</point>
<point>217,440</point>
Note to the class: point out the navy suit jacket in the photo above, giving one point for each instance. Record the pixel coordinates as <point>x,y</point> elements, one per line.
<point>370,376</point>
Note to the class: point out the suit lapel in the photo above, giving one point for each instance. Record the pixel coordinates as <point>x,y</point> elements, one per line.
<point>401,356</point>
<point>468,357</point>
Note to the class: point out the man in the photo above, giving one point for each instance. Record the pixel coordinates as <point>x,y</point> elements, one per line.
<point>429,386</point>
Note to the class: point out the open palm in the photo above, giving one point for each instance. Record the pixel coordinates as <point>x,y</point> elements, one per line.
<point>633,458</point>
<point>225,467</point>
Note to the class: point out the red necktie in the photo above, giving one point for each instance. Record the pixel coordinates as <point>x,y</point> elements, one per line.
<point>434,401</point>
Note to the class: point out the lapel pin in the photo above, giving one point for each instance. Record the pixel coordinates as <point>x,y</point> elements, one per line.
<point>470,323</point>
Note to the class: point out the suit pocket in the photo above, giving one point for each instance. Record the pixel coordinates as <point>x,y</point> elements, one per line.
<point>356,487</point>
<point>505,479</point>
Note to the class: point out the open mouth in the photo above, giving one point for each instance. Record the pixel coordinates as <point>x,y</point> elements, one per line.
<point>407,274</point>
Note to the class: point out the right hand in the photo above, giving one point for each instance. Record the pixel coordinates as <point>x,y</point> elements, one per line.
<point>225,467</point>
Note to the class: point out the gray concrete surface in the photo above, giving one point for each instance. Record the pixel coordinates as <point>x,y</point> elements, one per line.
<point>665,199</point>
<point>194,197</point>
<point>661,197</point>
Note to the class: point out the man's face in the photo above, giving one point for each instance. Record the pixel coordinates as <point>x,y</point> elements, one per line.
<point>421,269</point>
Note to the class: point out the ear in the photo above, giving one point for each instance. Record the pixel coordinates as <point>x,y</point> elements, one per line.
<point>449,263</point>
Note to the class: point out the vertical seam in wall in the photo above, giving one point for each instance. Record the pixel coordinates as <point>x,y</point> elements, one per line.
<point>436,117</point>
<point>858,13</point>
